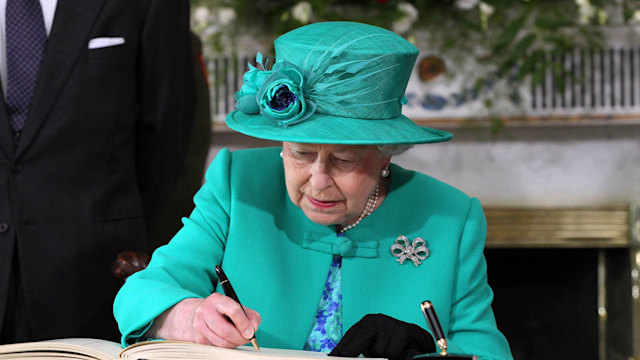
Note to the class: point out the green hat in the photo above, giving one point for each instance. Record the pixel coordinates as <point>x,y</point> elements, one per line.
<point>332,83</point>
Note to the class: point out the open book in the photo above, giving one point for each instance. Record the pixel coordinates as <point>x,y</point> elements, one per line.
<point>95,349</point>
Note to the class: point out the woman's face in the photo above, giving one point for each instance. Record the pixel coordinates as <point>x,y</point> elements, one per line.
<point>331,183</point>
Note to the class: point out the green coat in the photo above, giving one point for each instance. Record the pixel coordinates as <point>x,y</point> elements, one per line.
<point>278,260</point>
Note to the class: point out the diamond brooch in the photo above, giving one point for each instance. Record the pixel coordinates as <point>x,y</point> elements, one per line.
<point>416,251</point>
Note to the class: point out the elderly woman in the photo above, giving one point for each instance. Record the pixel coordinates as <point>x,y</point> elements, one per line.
<point>325,234</point>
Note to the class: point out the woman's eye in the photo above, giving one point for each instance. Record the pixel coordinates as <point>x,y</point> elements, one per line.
<point>303,154</point>
<point>344,164</point>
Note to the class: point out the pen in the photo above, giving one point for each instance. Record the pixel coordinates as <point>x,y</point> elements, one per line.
<point>434,324</point>
<point>228,290</point>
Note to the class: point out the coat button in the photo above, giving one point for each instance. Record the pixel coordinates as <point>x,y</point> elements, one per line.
<point>16,168</point>
<point>3,228</point>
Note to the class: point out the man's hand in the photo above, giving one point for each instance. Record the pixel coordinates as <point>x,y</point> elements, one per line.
<point>129,262</point>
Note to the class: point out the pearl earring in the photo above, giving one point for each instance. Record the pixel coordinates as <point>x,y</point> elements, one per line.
<point>280,154</point>
<point>385,172</point>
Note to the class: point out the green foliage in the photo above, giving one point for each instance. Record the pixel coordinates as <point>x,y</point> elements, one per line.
<point>513,40</point>
<point>517,29</point>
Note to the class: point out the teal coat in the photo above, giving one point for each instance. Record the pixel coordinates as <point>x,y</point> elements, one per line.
<point>278,260</point>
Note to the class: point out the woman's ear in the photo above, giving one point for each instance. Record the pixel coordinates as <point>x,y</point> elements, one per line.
<point>384,172</point>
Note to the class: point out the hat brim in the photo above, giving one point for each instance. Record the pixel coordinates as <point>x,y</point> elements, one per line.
<point>327,129</point>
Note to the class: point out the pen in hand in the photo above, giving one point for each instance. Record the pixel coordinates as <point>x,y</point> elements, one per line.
<point>228,290</point>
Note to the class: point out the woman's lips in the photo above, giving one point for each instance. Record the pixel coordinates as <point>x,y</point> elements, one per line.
<point>321,204</point>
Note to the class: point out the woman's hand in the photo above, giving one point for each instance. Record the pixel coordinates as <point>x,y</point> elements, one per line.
<point>383,336</point>
<point>216,320</point>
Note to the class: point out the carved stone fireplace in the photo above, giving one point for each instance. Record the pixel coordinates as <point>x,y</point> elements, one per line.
<point>566,281</point>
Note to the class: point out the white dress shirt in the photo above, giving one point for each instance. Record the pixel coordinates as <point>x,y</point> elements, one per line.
<point>48,10</point>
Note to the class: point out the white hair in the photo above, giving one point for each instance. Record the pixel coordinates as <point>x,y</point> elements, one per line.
<point>388,150</point>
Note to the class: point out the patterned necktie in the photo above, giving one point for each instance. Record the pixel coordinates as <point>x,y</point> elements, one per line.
<point>26,38</point>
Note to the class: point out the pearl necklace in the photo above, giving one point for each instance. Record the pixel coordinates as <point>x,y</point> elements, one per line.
<point>368,209</point>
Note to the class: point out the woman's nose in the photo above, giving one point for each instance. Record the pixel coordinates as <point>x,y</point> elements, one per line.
<point>320,178</point>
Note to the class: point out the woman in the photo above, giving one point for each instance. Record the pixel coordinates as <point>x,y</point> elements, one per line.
<point>325,230</point>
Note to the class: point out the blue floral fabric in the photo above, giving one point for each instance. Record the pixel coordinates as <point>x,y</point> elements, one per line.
<point>327,326</point>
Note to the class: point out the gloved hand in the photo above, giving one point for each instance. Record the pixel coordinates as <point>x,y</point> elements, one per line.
<point>378,335</point>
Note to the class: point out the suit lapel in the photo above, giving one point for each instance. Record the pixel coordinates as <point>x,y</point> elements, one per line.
<point>71,25</point>
<point>6,132</point>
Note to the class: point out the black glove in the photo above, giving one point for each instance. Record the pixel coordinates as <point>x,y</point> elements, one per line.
<point>378,335</point>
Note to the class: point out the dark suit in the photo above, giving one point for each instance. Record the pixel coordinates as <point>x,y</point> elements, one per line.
<point>101,150</point>
<point>180,203</point>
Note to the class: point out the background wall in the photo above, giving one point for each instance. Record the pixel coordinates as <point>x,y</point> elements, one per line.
<point>559,165</point>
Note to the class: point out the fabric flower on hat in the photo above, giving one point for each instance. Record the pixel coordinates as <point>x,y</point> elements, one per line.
<point>277,94</point>
<point>251,83</point>
<point>281,97</point>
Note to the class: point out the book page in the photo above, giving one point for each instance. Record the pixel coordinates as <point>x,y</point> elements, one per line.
<point>177,350</point>
<point>72,348</point>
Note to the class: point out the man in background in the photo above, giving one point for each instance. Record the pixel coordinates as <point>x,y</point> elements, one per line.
<point>180,203</point>
<point>93,133</point>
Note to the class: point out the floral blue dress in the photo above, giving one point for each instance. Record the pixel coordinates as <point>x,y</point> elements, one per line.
<point>327,325</point>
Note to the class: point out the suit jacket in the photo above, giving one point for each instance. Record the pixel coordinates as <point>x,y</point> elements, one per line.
<point>181,201</point>
<point>101,149</point>
<point>278,260</point>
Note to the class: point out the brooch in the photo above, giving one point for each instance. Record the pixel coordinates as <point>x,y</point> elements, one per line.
<point>416,251</point>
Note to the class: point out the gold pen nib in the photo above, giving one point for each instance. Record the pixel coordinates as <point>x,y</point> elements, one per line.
<point>254,342</point>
